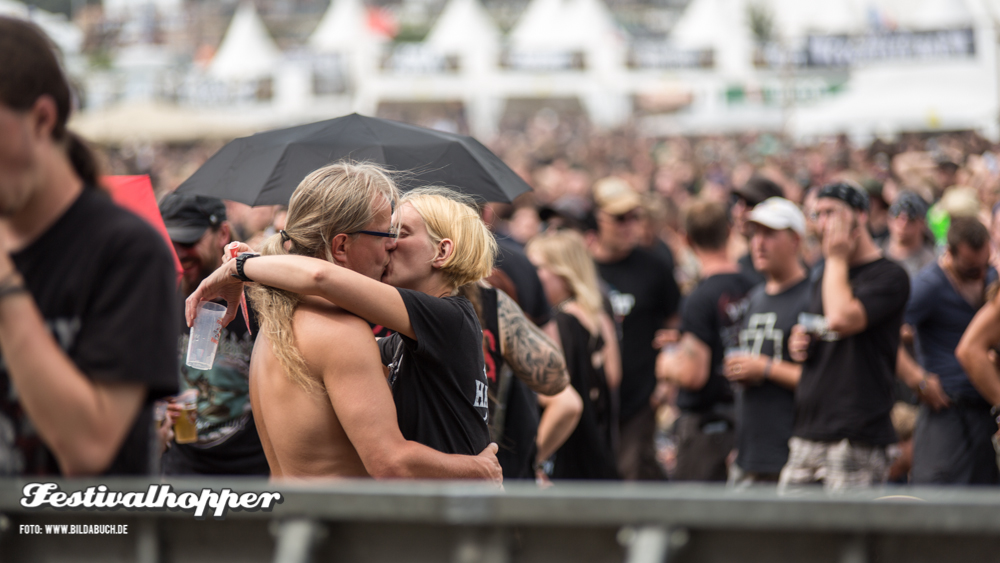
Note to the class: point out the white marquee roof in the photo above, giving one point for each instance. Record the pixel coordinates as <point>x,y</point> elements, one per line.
<point>247,50</point>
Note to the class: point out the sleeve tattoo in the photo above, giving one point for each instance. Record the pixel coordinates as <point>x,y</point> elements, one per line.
<point>529,352</point>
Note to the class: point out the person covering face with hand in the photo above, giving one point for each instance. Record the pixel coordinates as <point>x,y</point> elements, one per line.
<point>843,428</point>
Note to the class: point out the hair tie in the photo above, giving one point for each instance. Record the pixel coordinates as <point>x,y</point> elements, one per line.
<point>284,236</point>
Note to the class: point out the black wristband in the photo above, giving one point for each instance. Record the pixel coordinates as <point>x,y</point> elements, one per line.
<point>240,261</point>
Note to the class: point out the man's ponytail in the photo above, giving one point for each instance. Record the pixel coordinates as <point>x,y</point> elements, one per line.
<point>81,156</point>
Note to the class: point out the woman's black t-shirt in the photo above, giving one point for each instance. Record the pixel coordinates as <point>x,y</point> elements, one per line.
<point>439,380</point>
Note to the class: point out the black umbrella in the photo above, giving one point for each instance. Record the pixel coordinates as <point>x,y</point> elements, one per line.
<point>264,169</point>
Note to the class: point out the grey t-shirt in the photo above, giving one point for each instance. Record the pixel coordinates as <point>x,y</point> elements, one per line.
<point>765,412</point>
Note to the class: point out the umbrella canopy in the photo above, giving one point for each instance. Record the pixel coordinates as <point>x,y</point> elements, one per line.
<point>264,169</point>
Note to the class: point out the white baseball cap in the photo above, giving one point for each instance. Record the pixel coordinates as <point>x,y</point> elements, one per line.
<point>778,213</point>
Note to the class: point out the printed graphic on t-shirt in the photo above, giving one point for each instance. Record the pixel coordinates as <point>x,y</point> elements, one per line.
<point>731,310</point>
<point>482,402</point>
<point>760,329</point>
<point>621,303</point>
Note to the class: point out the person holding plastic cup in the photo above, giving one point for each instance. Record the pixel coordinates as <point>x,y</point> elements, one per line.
<point>761,365</point>
<point>710,323</point>
<point>319,393</point>
<point>88,322</point>
<point>843,429</point>
<point>215,358</point>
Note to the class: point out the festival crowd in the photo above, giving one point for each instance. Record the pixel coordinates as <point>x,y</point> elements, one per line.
<point>731,309</point>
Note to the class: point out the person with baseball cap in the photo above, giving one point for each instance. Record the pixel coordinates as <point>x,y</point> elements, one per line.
<point>228,443</point>
<point>745,199</point>
<point>908,242</point>
<point>644,295</point>
<point>848,346</point>
<point>766,375</point>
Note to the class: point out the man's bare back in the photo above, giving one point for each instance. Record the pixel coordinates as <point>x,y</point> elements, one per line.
<point>300,431</point>
<point>347,426</point>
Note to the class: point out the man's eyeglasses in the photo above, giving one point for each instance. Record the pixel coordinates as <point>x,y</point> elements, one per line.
<point>393,233</point>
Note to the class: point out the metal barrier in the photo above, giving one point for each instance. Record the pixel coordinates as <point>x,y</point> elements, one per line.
<point>464,523</point>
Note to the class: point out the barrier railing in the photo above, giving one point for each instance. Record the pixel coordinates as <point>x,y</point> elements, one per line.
<point>464,523</point>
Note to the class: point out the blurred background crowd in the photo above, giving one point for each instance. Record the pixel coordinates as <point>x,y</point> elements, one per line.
<point>635,113</point>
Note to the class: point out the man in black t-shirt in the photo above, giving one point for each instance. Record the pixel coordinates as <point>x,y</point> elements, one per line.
<point>765,402</point>
<point>227,443</point>
<point>843,428</point>
<point>643,295</point>
<point>87,325</point>
<point>709,325</point>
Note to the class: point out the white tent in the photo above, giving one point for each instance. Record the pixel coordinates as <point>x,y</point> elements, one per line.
<point>722,26</point>
<point>247,51</point>
<point>464,25</point>
<point>589,23</point>
<point>537,29</point>
<point>572,26</point>
<point>343,27</point>
<point>887,100</point>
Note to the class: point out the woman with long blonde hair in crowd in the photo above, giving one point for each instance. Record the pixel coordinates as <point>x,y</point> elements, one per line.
<point>587,336</point>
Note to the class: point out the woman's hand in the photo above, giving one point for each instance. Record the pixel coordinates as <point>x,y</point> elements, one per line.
<point>745,369</point>
<point>489,458</point>
<point>220,284</point>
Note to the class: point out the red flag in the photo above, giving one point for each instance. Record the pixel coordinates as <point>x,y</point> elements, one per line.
<point>135,193</point>
<point>382,22</point>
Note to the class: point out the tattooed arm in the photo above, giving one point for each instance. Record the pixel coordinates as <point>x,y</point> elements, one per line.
<point>687,365</point>
<point>532,355</point>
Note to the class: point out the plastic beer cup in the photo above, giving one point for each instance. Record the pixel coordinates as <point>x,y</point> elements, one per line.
<point>185,428</point>
<point>204,340</point>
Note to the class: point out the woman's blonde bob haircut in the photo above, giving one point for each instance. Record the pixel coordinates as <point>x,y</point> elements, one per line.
<point>339,198</point>
<point>448,214</point>
<point>564,252</point>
